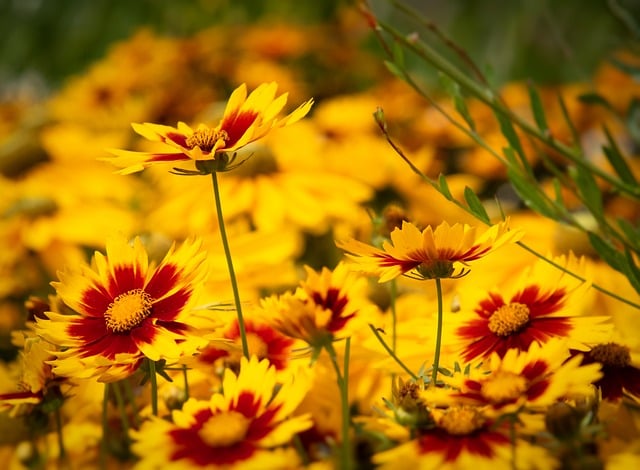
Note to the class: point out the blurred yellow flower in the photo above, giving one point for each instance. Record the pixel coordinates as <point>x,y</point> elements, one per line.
<point>428,254</point>
<point>245,120</point>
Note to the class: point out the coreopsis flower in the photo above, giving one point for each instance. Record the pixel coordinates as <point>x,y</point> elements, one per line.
<point>463,437</point>
<point>244,426</point>
<point>124,309</point>
<point>245,120</point>
<point>321,307</point>
<point>531,379</point>
<point>620,372</point>
<point>541,304</point>
<point>430,253</point>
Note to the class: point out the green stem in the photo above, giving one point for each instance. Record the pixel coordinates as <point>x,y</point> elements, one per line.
<point>227,254</point>
<point>154,387</point>
<point>105,427</point>
<point>186,382</point>
<point>343,385</point>
<point>132,401</point>
<point>393,292</point>
<point>124,419</point>
<point>392,354</point>
<point>436,357</point>
<point>61,449</point>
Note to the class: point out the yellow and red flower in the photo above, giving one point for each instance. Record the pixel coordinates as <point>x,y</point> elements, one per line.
<point>245,426</point>
<point>245,120</point>
<point>543,303</point>
<point>430,253</point>
<point>123,309</point>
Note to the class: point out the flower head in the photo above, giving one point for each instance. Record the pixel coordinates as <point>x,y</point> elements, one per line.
<point>542,304</point>
<point>237,427</point>
<point>321,307</point>
<point>245,120</point>
<point>432,253</point>
<point>123,309</point>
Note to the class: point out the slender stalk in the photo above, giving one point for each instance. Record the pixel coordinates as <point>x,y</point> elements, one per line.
<point>132,401</point>
<point>105,427</point>
<point>392,353</point>
<point>61,449</point>
<point>124,419</point>
<point>232,274</point>
<point>436,357</point>
<point>343,385</point>
<point>154,387</point>
<point>186,382</point>
<point>393,292</point>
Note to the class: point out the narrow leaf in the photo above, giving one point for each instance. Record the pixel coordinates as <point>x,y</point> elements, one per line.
<point>509,133</point>
<point>631,233</point>
<point>475,205</point>
<point>567,118</point>
<point>632,271</point>
<point>588,190</point>
<point>596,99</point>
<point>443,187</point>
<point>633,119</point>
<point>617,160</point>
<point>453,89</point>
<point>394,69</point>
<point>608,253</point>
<point>530,195</point>
<point>538,109</point>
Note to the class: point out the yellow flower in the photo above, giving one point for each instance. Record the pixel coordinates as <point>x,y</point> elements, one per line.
<point>236,428</point>
<point>535,378</point>
<point>124,309</point>
<point>245,120</point>
<point>428,254</point>
<point>321,307</point>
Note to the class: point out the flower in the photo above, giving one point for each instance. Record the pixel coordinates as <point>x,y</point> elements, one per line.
<point>619,374</point>
<point>541,304</point>
<point>321,307</point>
<point>245,120</point>
<point>123,310</point>
<point>535,378</point>
<point>428,254</point>
<point>237,427</point>
<point>463,438</point>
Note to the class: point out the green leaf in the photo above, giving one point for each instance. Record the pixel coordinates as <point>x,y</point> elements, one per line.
<point>538,109</point>
<point>453,89</point>
<point>617,160</point>
<point>588,190</point>
<point>398,55</point>
<point>394,69</point>
<point>443,187</point>
<point>630,69</point>
<point>607,252</point>
<point>567,118</point>
<point>557,189</point>
<point>631,233</point>
<point>633,119</point>
<point>632,271</point>
<point>475,205</point>
<point>531,195</point>
<point>596,99</point>
<point>509,133</point>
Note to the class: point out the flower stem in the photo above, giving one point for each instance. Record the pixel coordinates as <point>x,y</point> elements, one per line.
<point>61,450</point>
<point>186,382</point>
<point>342,380</point>
<point>154,387</point>
<point>132,401</point>
<point>392,354</point>
<point>124,419</point>
<point>232,274</point>
<point>393,293</point>
<point>436,356</point>
<point>105,427</point>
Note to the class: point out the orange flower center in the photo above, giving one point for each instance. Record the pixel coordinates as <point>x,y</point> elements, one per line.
<point>206,138</point>
<point>461,420</point>
<point>503,386</point>
<point>611,354</point>
<point>508,319</point>
<point>225,429</point>
<point>257,346</point>
<point>128,310</point>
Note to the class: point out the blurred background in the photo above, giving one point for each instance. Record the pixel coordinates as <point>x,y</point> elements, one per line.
<point>46,41</point>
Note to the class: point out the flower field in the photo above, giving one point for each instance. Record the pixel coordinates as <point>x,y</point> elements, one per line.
<point>257,248</point>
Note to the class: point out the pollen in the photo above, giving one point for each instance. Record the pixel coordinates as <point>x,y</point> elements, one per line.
<point>206,138</point>
<point>509,319</point>
<point>461,420</point>
<point>611,354</point>
<point>503,386</point>
<point>128,310</point>
<point>224,430</point>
